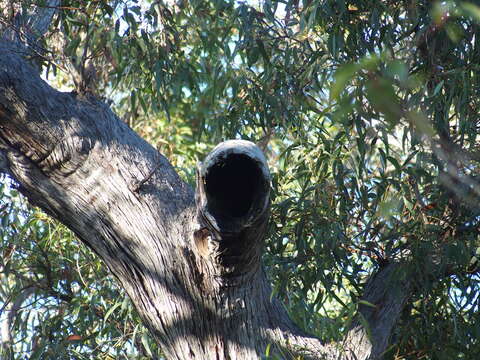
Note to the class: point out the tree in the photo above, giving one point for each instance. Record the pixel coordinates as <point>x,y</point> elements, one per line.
<point>370,108</point>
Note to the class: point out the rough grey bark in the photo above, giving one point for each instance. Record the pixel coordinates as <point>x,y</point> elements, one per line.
<point>191,264</point>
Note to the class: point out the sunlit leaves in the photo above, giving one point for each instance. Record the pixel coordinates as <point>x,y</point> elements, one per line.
<point>368,111</point>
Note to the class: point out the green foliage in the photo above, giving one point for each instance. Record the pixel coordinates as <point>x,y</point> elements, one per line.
<point>61,300</point>
<point>368,112</point>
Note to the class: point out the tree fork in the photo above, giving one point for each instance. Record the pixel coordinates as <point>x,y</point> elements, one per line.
<point>190,263</point>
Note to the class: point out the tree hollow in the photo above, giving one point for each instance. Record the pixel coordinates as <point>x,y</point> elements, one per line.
<point>232,185</point>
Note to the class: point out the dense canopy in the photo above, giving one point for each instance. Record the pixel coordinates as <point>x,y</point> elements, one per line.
<point>368,112</point>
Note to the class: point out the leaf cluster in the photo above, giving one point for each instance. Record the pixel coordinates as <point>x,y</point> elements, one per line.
<point>368,112</point>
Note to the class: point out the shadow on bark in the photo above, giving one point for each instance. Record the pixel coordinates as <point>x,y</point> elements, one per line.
<point>191,264</point>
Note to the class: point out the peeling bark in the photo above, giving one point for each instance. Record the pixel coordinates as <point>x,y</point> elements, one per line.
<point>190,263</point>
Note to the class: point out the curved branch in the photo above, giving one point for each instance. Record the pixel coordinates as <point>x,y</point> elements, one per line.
<point>26,28</point>
<point>40,19</point>
<point>75,159</point>
<point>11,312</point>
<point>193,273</point>
<point>384,298</point>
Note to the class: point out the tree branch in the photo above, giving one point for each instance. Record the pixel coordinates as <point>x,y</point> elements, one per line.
<point>25,29</point>
<point>184,267</point>
<point>385,296</point>
<point>11,311</point>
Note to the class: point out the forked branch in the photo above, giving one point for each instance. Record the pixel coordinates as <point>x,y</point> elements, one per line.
<point>193,271</point>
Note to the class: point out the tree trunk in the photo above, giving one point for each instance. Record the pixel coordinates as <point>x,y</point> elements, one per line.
<point>189,262</point>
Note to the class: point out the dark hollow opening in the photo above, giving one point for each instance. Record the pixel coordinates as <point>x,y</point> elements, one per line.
<point>232,185</point>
